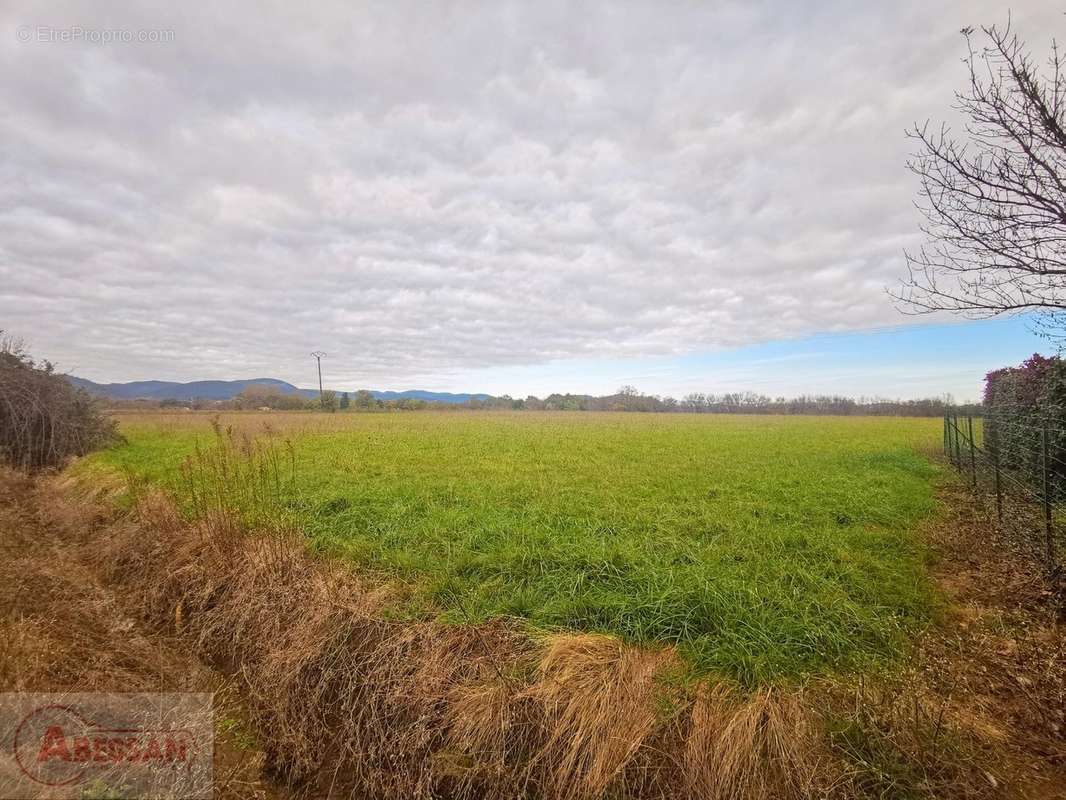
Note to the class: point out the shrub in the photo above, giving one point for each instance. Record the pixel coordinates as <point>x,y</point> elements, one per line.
<point>1024,404</point>
<point>44,420</point>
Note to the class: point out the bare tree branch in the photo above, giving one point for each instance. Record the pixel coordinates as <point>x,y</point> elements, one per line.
<point>994,202</point>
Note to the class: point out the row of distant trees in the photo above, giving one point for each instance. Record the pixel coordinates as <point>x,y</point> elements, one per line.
<point>259,398</point>
<point>629,399</point>
<point>626,399</point>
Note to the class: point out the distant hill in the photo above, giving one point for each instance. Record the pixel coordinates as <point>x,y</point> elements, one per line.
<point>171,390</point>
<point>226,390</point>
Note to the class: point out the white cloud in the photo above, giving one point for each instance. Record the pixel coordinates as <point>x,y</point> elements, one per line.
<point>421,189</point>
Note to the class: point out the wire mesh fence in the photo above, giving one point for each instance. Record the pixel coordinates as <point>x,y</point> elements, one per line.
<point>1015,461</point>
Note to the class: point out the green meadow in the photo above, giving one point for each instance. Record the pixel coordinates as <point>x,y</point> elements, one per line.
<point>763,548</point>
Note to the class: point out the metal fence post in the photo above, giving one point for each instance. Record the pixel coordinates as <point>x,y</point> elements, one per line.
<point>958,444</point>
<point>999,487</point>
<point>973,456</point>
<point>1047,497</point>
<point>951,440</point>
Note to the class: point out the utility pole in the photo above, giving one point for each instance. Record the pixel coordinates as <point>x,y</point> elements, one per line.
<point>318,355</point>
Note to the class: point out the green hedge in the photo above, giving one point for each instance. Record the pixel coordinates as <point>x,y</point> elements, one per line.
<point>1022,405</point>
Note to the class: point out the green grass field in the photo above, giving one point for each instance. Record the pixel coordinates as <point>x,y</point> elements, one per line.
<point>764,548</point>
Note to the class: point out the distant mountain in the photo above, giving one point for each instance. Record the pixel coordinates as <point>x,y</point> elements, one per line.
<point>171,390</point>
<point>226,390</point>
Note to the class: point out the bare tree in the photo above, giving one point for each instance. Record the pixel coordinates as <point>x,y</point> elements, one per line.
<point>995,202</point>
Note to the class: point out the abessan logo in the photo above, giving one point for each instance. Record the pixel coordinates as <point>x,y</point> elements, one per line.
<point>132,745</point>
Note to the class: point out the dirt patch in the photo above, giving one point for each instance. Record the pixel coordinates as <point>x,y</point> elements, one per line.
<point>1001,655</point>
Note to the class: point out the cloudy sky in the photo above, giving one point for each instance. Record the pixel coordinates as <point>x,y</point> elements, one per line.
<point>484,196</point>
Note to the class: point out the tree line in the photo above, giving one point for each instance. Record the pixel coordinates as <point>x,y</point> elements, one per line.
<point>269,398</point>
<point>628,399</point>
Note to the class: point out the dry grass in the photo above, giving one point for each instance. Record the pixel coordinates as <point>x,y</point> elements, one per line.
<point>62,630</point>
<point>766,746</point>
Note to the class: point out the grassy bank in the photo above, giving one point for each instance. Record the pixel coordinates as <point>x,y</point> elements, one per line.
<point>762,547</point>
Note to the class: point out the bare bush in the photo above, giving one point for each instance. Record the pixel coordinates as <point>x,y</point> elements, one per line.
<point>44,420</point>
